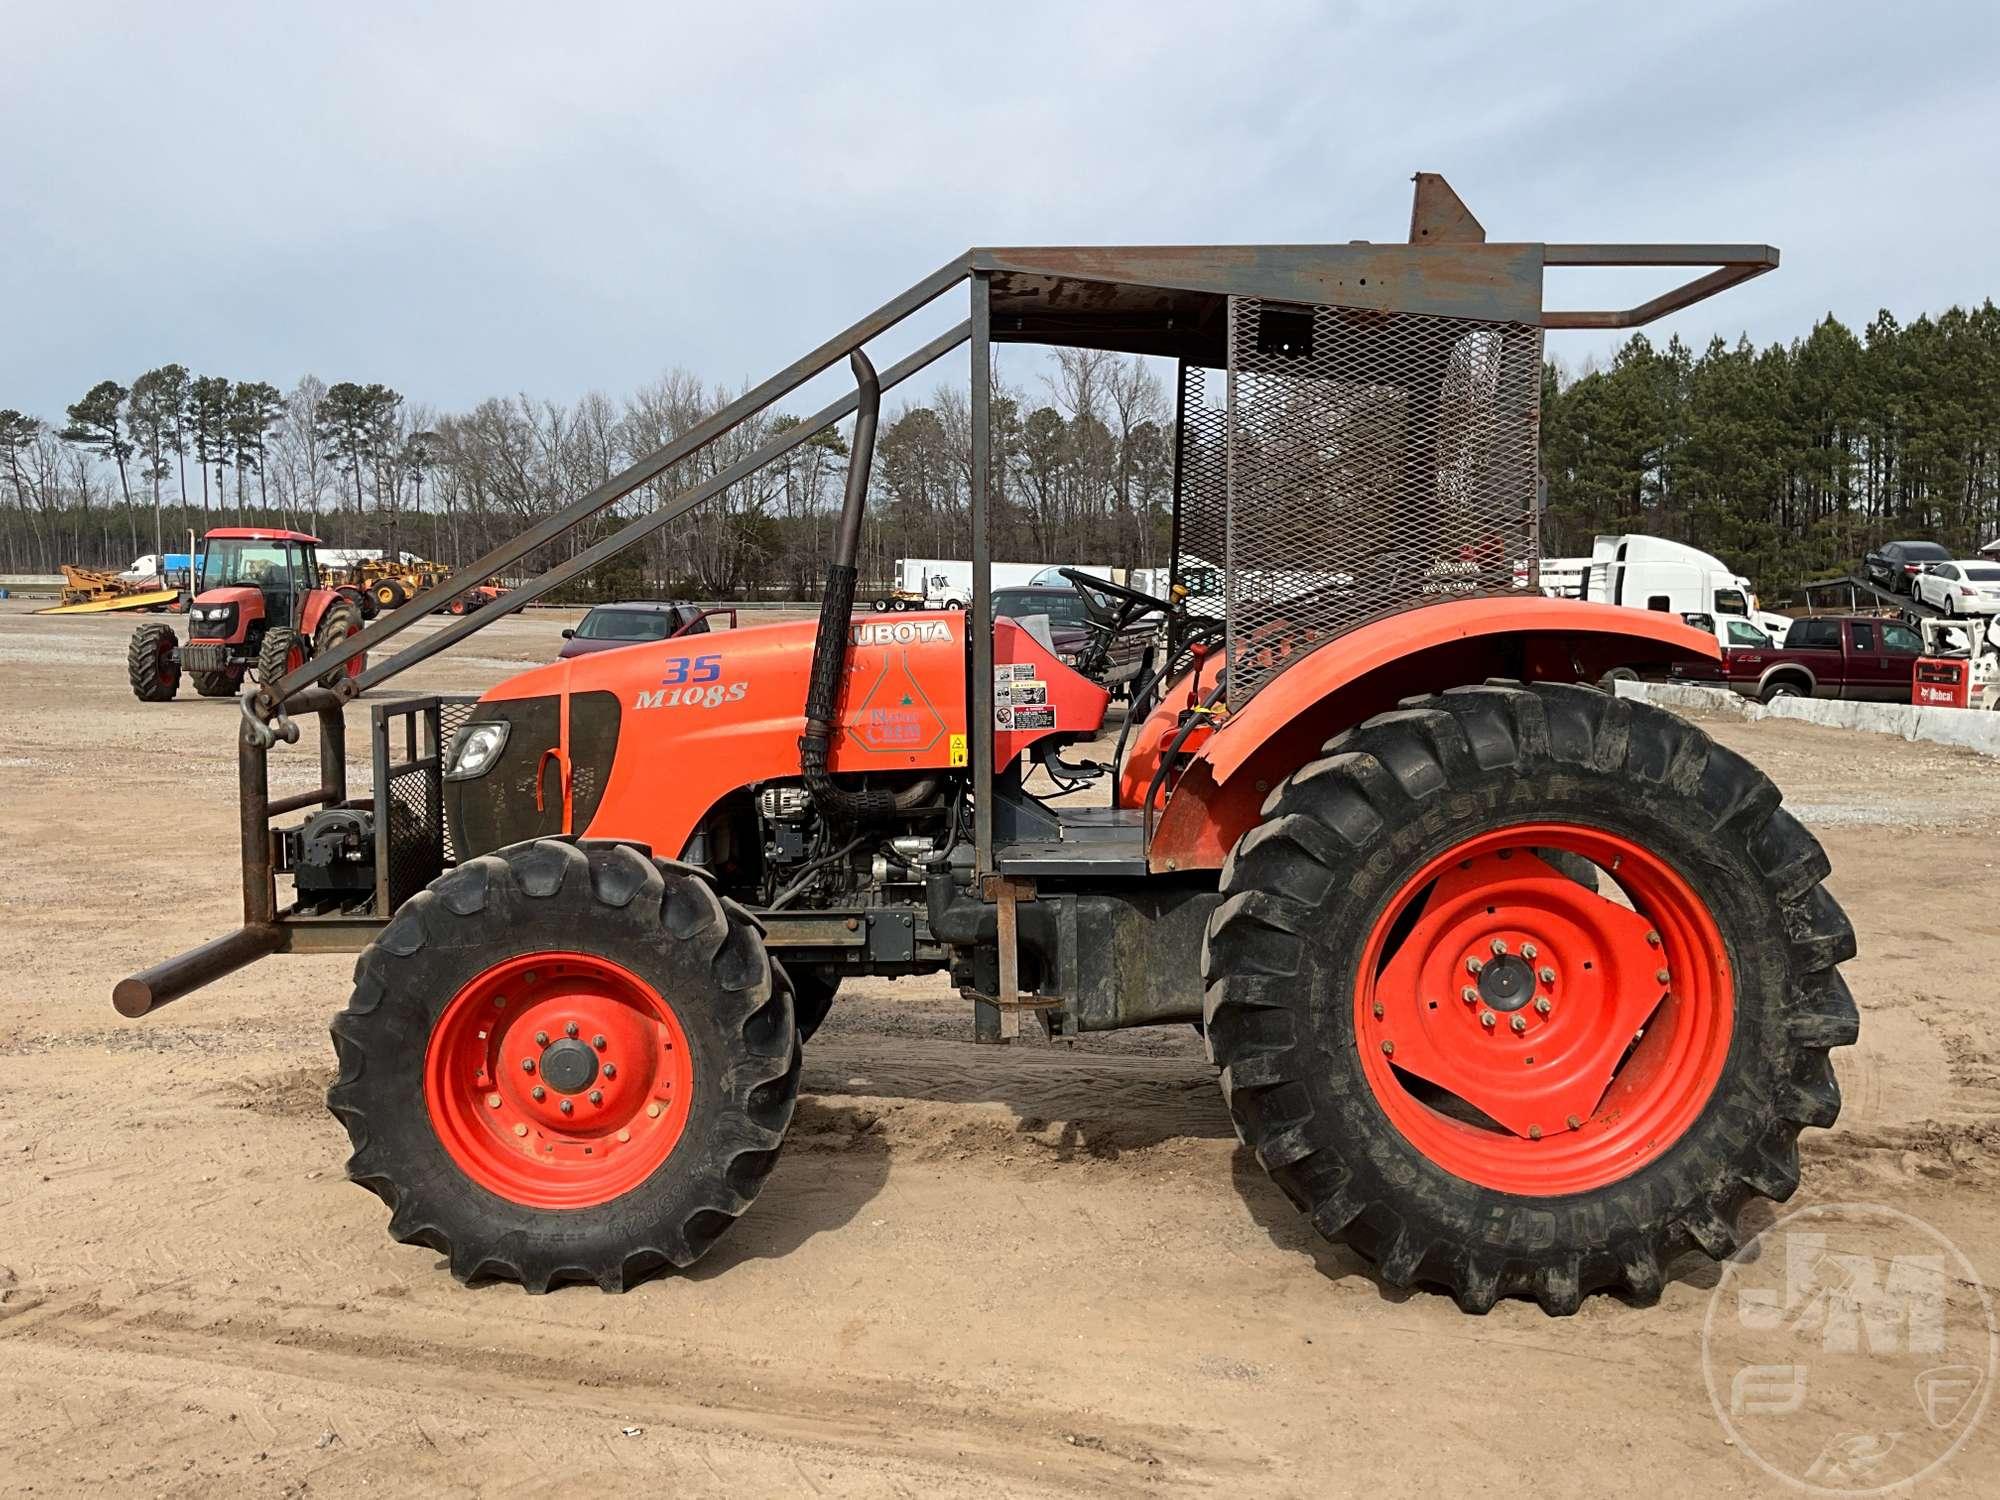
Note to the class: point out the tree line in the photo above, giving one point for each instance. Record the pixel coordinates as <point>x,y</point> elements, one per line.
<point>1085,472</point>
<point>1789,462</point>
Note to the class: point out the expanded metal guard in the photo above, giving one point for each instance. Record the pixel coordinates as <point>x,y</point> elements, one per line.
<point>1372,462</point>
<point>412,841</point>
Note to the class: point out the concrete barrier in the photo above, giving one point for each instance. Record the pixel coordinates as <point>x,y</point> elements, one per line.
<point>1968,728</point>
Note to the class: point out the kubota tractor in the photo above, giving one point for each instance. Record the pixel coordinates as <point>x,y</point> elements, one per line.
<point>258,606</point>
<point>1515,986</point>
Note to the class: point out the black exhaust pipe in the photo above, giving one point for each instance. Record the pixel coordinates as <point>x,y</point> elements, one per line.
<point>836,614</point>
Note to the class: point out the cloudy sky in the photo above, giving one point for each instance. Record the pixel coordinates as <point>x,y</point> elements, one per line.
<point>481,198</point>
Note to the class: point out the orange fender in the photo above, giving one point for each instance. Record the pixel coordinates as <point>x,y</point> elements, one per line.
<point>1370,670</point>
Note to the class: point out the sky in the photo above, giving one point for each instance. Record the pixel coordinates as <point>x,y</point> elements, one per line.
<point>464,200</point>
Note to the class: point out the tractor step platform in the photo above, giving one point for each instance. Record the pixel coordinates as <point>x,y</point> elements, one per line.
<point>1089,841</point>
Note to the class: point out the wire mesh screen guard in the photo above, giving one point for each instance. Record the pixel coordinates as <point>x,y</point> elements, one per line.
<point>1363,463</point>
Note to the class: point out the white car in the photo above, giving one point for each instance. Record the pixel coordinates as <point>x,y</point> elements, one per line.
<point>1731,632</point>
<point>1959,588</point>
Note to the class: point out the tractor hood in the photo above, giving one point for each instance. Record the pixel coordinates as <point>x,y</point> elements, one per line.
<point>640,742</point>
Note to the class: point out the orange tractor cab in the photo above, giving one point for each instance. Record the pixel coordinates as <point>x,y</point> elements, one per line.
<point>1516,987</point>
<point>258,606</point>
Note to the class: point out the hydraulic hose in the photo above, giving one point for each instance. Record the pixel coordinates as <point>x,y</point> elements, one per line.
<point>836,612</point>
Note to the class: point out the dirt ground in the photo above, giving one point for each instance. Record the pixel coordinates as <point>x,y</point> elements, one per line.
<point>1048,1269</point>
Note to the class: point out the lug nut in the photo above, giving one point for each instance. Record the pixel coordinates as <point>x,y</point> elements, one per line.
<point>1534,1132</point>
<point>492,1101</point>
<point>1574,1123</point>
<point>520,1130</point>
<point>1473,966</point>
<point>566,1107</point>
<point>570,1030</point>
<point>1488,1019</point>
<point>1388,1049</point>
<point>541,1039</point>
<point>499,1002</point>
<point>1547,975</point>
<point>1499,947</point>
<point>527,1065</point>
<point>1519,1023</point>
<point>596,1096</point>
<point>1468,994</point>
<point>653,1110</point>
<point>1653,939</point>
<point>598,1041</point>
<point>1542,1006</point>
<point>624,1135</point>
<point>1378,1010</point>
<point>539,1092</point>
<point>1663,976</point>
<point>1528,951</point>
<point>611,1070</point>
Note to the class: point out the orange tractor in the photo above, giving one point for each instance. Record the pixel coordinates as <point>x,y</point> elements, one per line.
<point>1517,987</point>
<point>258,607</point>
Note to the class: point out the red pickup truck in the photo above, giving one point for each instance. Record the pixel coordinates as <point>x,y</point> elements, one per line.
<point>1851,656</point>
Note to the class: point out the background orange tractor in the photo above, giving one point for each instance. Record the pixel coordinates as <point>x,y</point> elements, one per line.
<point>258,606</point>
<point>1516,987</point>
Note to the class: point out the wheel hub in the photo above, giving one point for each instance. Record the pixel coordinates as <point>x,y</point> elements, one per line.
<point>1506,982</point>
<point>569,1066</point>
<point>559,1080</point>
<point>1531,1033</point>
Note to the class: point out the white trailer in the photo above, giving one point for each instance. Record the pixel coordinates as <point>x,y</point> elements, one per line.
<point>946,582</point>
<point>1650,572</point>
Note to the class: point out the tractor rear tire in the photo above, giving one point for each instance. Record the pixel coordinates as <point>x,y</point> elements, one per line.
<point>812,997</point>
<point>602,969</point>
<point>280,652</point>
<point>217,684</point>
<point>1363,913</point>
<point>341,620</point>
<point>150,665</point>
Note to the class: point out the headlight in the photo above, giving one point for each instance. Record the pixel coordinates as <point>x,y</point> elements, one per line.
<point>475,750</point>
<point>214,616</point>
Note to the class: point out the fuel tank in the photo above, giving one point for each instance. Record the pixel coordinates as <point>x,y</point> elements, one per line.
<point>639,743</point>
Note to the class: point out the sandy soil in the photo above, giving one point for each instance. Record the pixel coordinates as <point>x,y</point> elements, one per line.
<point>1040,1270</point>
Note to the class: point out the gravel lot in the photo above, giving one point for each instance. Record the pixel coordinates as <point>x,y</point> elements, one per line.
<point>1049,1269</point>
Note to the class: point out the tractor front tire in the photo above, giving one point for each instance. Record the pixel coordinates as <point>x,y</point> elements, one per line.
<point>1415,1013</point>
<point>217,684</point>
<point>281,651</point>
<point>637,1003</point>
<point>341,620</point>
<point>150,664</point>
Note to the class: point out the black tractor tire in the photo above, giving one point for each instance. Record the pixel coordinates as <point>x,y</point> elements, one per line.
<point>275,651</point>
<point>388,593</point>
<point>665,924</point>
<point>1305,887</point>
<point>813,990</point>
<point>218,684</point>
<point>341,620</point>
<point>150,664</point>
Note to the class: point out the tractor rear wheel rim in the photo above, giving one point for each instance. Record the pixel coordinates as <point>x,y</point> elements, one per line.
<point>1531,1035</point>
<point>558,1080</point>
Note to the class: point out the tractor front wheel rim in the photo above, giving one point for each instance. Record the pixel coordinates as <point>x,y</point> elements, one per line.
<point>558,1080</point>
<point>1527,1033</point>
